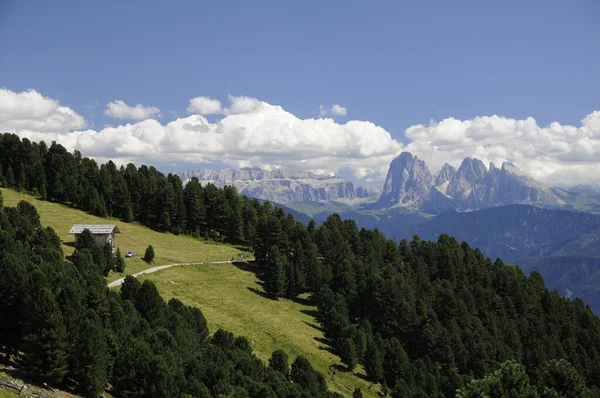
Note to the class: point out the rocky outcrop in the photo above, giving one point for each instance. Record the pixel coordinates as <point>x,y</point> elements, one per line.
<point>408,183</point>
<point>472,187</point>
<point>283,186</point>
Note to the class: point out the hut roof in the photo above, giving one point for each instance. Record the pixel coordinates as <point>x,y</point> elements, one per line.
<point>96,229</point>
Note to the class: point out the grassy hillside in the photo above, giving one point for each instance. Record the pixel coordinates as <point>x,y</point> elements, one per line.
<point>230,296</point>
<point>168,248</point>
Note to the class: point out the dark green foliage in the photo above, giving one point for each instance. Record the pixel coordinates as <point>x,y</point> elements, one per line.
<point>423,317</point>
<point>45,335</point>
<point>149,254</point>
<point>119,262</point>
<point>275,276</point>
<point>348,353</point>
<point>63,325</point>
<point>85,240</point>
<point>357,393</point>
<point>279,362</point>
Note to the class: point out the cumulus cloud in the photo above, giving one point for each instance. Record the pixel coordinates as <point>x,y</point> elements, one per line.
<point>204,106</point>
<point>255,133</point>
<point>335,110</point>
<point>30,111</point>
<point>338,110</point>
<point>556,154</point>
<point>120,110</point>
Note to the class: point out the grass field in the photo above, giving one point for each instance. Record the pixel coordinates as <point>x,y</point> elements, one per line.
<point>168,248</point>
<point>230,296</point>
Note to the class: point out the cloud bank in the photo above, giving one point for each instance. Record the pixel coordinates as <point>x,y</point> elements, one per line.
<point>255,133</point>
<point>120,110</point>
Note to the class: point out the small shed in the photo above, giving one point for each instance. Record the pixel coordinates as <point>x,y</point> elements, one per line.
<point>104,233</point>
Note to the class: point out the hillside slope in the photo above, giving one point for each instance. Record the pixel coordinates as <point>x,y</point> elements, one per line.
<point>169,248</point>
<point>230,297</point>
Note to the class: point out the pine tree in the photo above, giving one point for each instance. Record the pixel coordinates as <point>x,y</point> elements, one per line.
<point>149,254</point>
<point>374,360</point>
<point>45,337</point>
<point>10,177</point>
<point>130,288</point>
<point>120,262</point>
<point>109,258</point>
<point>395,363</point>
<point>90,356</point>
<point>85,240</point>
<point>279,362</point>
<point>349,354</point>
<point>275,282</point>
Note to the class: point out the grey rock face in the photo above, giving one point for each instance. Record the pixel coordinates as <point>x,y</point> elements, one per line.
<point>445,175</point>
<point>283,186</point>
<point>471,187</point>
<point>408,183</point>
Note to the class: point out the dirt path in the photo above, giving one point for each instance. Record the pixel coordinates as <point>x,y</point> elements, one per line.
<point>119,282</point>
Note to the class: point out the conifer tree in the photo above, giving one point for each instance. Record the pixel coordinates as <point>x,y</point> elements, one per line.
<point>45,336</point>
<point>279,362</point>
<point>349,354</point>
<point>120,262</point>
<point>373,360</point>
<point>149,254</point>
<point>275,278</point>
<point>10,177</point>
<point>90,356</point>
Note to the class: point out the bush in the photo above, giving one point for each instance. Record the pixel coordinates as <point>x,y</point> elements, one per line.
<point>149,255</point>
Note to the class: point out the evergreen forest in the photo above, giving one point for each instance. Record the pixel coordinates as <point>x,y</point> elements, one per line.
<point>424,318</point>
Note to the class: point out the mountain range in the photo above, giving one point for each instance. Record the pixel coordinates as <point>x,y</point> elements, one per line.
<point>283,186</point>
<point>473,186</point>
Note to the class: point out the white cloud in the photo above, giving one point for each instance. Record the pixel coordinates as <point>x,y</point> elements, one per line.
<point>335,110</point>
<point>204,106</point>
<point>556,154</point>
<point>338,110</point>
<point>120,110</point>
<point>255,133</point>
<point>30,111</point>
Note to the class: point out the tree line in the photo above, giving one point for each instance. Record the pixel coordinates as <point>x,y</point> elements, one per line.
<point>422,318</point>
<point>60,322</point>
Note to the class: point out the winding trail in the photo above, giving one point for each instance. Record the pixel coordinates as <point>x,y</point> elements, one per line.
<point>119,282</point>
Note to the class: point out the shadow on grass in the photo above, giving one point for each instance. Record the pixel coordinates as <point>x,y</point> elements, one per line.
<point>260,293</point>
<point>308,301</point>
<point>316,327</point>
<point>313,313</point>
<point>250,267</point>
<point>13,371</point>
<point>325,346</point>
<point>70,244</point>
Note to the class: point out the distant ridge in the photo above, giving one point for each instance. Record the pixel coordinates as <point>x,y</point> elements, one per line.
<point>283,186</point>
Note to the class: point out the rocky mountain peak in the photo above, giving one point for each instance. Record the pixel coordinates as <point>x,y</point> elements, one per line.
<point>445,175</point>
<point>408,182</point>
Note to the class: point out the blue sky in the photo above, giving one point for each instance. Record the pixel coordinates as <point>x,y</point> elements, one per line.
<point>393,63</point>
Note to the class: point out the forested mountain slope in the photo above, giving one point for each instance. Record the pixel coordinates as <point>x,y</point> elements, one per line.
<point>61,323</point>
<point>423,318</point>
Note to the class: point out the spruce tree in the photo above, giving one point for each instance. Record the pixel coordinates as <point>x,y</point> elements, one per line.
<point>349,354</point>
<point>120,262</point>
<point>373,360</point>
<point>149,254</point>
<point>10,177</point>
<point>275,282</point>
<point>90,356</point>
<point>279,362</point>
<point>45,337</point>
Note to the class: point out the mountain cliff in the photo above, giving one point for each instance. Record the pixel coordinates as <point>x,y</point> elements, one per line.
<point>283,186</point>
<point>473,186</point>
